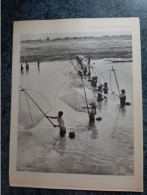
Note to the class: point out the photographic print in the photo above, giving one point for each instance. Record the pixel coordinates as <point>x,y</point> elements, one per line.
<point>75,103</point>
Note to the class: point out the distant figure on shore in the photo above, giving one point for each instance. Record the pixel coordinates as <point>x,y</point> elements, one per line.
<point>122,98</point>
<point>38,64</point>
<point>27,67</point>
<point>22,68</point>
<point>61,123</point>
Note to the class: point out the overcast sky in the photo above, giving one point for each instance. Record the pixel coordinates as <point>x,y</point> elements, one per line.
<point>63,35</point>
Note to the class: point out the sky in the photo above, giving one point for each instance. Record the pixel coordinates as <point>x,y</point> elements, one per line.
<point>74,34</point>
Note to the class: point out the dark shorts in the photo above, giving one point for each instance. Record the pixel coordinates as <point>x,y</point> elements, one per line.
<point>62,132</point>
<point>122,103</point>
<point>91,119</point>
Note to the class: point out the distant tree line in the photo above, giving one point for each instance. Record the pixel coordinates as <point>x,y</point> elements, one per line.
<point>47,39</point>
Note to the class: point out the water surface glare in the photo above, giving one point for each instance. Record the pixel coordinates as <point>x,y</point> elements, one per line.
<point>106,148</point>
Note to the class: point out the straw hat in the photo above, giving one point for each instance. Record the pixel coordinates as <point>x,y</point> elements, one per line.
<point>123,91</point>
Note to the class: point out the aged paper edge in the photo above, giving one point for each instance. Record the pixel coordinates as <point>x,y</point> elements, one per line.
<point>79,181</point>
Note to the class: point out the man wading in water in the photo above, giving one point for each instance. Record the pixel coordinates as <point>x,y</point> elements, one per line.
<point>92,114</point>
<point>61,123</point>
<point>122,98</point>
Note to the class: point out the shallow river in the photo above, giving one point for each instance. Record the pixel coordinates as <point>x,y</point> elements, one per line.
<point>106,148</point>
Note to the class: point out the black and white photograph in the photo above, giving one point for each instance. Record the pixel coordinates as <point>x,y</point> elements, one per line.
<point>75,108</point>
<point>75,104</point>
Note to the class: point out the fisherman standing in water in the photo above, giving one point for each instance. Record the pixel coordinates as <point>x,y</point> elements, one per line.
<point>61,123</point>
<point>100,96</point>
<point>122,98</point>
<point>22,68</point>
<point>38,63</point>
<point>92,114</point>
<point>105,88</point>
<point>27,67</point>
<point>94,82</point>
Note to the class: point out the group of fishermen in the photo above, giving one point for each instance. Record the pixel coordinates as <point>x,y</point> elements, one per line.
<point>27,66</point>
<point>84,71</point>
<point>102,89</point>
<point>93,107</point>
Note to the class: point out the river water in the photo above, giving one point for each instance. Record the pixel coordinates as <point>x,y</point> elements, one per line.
<point>106,148</point>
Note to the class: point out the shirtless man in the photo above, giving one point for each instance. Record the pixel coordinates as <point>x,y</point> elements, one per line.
<point>61,123</point>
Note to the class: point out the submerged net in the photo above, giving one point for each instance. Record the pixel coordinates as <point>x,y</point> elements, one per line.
<point>72,93</point>
<point>75,100</point>
<point>33,106</point>
<point>70,70</point>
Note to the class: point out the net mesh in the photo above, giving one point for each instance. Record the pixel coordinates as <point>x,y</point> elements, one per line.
<point>33,106</point>
<point>72,93</point>
<point>75,100</point>
<point>70,70</point>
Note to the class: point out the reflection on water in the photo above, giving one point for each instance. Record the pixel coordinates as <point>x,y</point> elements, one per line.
<point>94,133</point>
<point>122,111</point>
<point>105,102</point>
<point>22,72</point>
<point>104,147</point>
<point>99,106</point>
<point>38,69</point>
<point>27,70</point>
<point>61,146</point>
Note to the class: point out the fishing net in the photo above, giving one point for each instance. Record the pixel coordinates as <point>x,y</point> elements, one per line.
<point>75,100</point>
<point>73,69</point>
<point>70,70</point>
<point>99,74</point>
<point>76,94</point>
<point>77,82</point>
<point>33,106</point>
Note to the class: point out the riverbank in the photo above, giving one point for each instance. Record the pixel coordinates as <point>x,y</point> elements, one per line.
<point>63,50</point>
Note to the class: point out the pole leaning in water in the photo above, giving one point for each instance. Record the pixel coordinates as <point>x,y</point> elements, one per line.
<point>36,104</point>
<point>85,96</point>
<point>116,80</point>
